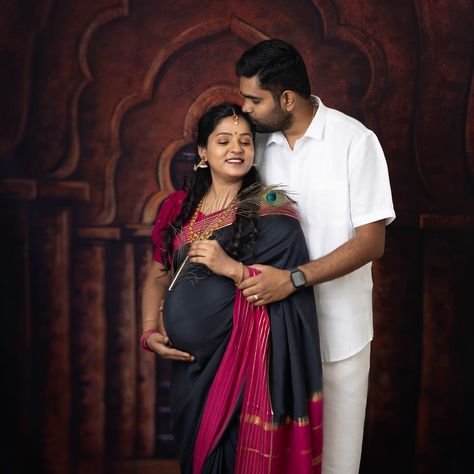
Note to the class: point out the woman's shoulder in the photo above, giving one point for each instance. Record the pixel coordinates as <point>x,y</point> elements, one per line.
<point>173,202</point>
<point>176,198</point>
<point>287,209</point>
<point>170,208</point>
<point>278,203</point>
<point>279,232</point>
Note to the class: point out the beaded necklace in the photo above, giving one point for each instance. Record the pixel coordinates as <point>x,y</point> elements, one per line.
<point>213,225</point>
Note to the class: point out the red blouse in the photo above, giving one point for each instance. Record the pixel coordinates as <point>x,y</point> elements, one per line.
<point>169,211</point>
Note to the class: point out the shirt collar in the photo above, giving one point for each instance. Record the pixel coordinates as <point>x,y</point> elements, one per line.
<point>315,129</point>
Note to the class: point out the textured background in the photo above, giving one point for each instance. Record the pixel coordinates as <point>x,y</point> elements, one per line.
<point>98,106</point>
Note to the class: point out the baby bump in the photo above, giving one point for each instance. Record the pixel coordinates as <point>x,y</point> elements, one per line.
<point>199,313</point>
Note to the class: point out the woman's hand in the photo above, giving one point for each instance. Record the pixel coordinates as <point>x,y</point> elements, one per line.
<point>161,344</point>
<point>211,254</point>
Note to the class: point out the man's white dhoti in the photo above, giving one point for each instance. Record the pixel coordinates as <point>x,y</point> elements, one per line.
<point>345,386</point>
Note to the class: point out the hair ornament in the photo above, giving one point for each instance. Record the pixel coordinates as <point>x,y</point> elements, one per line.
<point>235,116</point>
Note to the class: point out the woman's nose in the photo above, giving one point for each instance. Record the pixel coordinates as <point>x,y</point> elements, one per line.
<point>236,145</point>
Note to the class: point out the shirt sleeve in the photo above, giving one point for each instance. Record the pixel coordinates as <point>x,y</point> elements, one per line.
<point>369,184</point>
<point>169,210</point>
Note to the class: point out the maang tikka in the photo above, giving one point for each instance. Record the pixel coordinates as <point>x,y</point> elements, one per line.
<point>235,116</point>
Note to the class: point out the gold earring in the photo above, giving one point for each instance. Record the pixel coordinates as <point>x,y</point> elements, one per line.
<point>201,164</point>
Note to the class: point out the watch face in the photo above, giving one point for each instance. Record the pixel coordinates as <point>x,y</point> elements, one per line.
<point>298,279</point>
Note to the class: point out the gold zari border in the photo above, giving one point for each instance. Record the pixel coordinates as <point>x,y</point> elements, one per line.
<point>271,426</point>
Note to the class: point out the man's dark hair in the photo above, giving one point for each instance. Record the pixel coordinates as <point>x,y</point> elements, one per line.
<point>278,66</point>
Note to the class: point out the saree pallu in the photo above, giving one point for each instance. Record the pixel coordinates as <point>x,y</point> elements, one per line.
<point>252,401</point>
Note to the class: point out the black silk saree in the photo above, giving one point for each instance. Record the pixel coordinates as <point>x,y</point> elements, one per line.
<point>252,400</point>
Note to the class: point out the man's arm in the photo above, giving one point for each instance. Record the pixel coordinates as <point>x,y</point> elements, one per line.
<point>274,284</point>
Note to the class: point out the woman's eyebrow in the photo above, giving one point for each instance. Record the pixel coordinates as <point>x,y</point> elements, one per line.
<point>230,133</point>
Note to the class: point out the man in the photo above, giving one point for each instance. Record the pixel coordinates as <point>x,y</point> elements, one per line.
<point>336,172</point>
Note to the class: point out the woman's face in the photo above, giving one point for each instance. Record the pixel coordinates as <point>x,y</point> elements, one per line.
<point>229,151</point>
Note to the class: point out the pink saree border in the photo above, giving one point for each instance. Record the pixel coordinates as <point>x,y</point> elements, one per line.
<point>205,220</point>
<point>263,446</point>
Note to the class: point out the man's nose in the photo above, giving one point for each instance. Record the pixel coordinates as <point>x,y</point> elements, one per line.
<point>246,107</point>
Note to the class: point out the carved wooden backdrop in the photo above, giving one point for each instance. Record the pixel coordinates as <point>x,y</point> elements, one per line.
<point>99,101</point>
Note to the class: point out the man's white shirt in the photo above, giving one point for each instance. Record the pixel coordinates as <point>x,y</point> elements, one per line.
<point>337,174</point>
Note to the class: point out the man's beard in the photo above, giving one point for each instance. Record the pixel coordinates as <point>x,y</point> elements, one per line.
<point>277,121</point>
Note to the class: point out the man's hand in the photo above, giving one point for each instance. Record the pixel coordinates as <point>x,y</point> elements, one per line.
<point>272,284</point>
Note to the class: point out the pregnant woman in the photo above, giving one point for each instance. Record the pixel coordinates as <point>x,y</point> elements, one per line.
<point>246,380</point>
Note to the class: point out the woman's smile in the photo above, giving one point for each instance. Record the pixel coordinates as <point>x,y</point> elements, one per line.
<point>229,150</point>
<point>235,161</point>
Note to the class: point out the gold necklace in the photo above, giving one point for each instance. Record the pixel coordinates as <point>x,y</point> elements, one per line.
<point>213,225</point>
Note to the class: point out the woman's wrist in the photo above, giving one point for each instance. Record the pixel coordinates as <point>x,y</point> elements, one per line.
<point>144,339</point>
<point>149,323</point>
<point>240,276</point>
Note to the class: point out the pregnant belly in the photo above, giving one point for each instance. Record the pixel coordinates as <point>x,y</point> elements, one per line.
<point>198,314</point>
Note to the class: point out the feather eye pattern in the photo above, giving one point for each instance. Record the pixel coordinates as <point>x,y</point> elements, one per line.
<point>257,196</point>
<point>276,197</point>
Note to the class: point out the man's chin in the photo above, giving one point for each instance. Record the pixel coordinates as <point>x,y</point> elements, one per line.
<point>264,129</point>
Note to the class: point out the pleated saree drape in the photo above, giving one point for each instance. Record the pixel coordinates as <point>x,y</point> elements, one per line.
<point>252,400</point>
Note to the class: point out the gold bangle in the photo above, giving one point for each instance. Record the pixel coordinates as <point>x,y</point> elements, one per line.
<point>242,267</point>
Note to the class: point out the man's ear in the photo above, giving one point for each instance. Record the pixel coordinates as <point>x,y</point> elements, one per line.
<point>288,100</point>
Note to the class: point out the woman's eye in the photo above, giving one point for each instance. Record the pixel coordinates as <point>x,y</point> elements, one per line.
<point>245,143</point>
<point>223,143</point>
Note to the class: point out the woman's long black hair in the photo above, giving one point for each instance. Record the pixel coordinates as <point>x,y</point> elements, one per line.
<point>199,182</point>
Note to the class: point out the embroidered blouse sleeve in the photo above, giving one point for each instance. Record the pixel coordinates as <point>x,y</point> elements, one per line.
<point>168,212</point>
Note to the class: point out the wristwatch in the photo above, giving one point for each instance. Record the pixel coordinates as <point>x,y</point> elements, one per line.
<point>297,278</point>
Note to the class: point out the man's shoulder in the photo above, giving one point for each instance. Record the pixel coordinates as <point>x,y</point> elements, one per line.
<point>341,122</point>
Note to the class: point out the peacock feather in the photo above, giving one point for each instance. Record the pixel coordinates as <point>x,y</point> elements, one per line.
<point>250,201</point>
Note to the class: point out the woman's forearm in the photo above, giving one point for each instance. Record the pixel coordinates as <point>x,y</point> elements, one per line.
<point>154,292</point>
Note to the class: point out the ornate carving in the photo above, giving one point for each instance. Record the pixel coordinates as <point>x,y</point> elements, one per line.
<point>25,81</point>
<point>88,324</point>
<point>69,163</point>
<point>190,36</point>
<point>365,43</point>
<point>444,80</point>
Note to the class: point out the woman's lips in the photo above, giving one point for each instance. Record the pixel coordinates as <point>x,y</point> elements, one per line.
<point>234,161</point>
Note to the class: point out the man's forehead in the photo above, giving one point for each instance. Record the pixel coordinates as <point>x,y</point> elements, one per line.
<point>250,87</point>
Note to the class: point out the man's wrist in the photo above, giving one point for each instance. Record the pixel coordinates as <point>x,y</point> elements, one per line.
<point>297,278</point>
